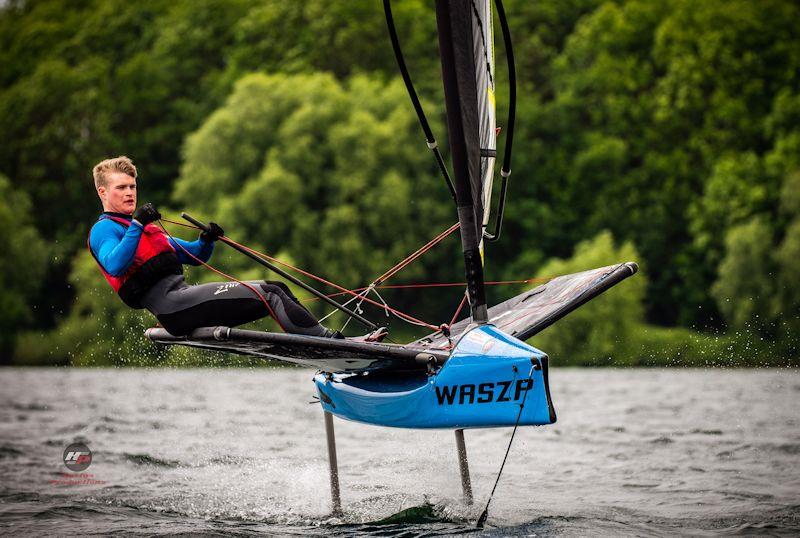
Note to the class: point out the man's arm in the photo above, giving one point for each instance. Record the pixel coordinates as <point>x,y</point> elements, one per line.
<point>114,249</point>
<point>199,250</point>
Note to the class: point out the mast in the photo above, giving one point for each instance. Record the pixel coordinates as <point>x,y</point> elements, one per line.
<point>454,20</point>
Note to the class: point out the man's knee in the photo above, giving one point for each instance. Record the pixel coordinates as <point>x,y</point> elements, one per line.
<point>269,287</point>
<point>279,287</point>
<point>279,284</point>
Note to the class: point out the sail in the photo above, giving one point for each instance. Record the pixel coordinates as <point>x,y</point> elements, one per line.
<point>466,42</point>
<point>483,46</point>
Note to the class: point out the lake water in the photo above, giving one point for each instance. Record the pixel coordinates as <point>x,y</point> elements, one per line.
<point>242,452</point>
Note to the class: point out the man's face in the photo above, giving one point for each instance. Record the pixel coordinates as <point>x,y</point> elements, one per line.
<point>119,194</point>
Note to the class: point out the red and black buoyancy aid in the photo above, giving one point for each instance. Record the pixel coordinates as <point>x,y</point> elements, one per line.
<point>154,259</point>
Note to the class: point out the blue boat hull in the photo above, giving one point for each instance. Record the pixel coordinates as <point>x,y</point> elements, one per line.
<point>482,385</point>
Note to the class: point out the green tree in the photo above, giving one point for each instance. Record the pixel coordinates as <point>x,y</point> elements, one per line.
<point>667,123</point>
<point>596,333</point>
<point>678,91</point>
<point>745,289</point>
<point>327,174</point>
<point>84,81</point>
<point>23,257</point>
<point>100,329</point>
<point>787,257</point>
<point>757,289</point>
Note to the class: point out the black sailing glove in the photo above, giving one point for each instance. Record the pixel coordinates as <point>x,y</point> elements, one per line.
<point>213,233</point>
<point>147,214</point>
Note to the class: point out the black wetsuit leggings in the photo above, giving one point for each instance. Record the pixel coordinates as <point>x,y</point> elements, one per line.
<point>181,308</point>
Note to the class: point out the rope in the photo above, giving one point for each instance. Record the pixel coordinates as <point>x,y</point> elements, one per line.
<point>402,315</point>
<point>388,274</point>
<point>485,514</point>
<point>440,285</point>
<point>229,277</point>
<point>360,294</point>
<point>458,310</point>
<point>364,291</point>
<point>402,264</point>
<point>175,222</point>
<point>405,262</point>
<point>343,291</point>
<point>350,300</point>
<point>454,284</point>
<point>412,93</point>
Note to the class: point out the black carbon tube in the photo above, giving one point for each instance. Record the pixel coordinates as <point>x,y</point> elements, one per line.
<point>412,93</point>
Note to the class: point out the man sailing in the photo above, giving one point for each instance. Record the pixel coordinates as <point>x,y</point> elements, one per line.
<point>145,267</point>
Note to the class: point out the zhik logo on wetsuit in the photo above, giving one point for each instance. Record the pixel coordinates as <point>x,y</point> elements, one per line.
<point>225,287</point>
<point>501,391</point>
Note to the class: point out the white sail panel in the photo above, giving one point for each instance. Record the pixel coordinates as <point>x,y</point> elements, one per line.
<point>483,50</point>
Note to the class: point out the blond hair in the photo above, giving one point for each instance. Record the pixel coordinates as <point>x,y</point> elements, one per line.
<point>117,164</point>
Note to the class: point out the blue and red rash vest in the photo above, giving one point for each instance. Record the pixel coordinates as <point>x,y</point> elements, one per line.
<point>154,259</point>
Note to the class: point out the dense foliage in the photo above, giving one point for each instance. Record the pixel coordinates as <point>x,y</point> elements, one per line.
<point>328,173</point>
<point>23,258</point>
<point>668,132</point>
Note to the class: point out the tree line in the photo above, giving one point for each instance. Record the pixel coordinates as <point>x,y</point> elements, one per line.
<point>665,132</point>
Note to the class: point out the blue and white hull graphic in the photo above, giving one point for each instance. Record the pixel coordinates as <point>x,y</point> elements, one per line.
<point>482,385</point>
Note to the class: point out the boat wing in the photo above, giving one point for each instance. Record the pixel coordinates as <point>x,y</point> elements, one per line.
<point>534,310</point>
<point>326,354</point>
